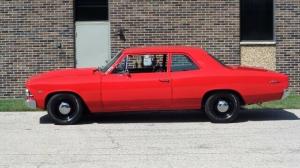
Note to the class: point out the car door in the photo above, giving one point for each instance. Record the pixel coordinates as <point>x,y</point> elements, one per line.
<point>184,73</point>
<point>137,84</point>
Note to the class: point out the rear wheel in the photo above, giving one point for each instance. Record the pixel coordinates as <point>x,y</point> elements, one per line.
<point>65,108</point>
<point>222,107</point>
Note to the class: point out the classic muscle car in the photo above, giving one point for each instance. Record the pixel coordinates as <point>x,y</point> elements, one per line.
<point>154,78</point>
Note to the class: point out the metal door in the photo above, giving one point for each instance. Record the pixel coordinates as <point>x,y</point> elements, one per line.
<point>92,43</point>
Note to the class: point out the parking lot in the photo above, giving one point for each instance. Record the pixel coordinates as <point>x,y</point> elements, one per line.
<point>260,138</point>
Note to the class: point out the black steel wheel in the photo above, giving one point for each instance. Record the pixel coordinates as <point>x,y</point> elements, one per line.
<point>64,108</point>
<point>222,107</point>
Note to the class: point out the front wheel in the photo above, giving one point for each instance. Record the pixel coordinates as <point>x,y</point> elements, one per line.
<point>65,108</point>
<point>222,107</point>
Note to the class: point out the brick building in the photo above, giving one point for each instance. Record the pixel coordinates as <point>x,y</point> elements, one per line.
<point>41,35</point>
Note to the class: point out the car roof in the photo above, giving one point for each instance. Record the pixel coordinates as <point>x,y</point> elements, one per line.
<point>155,49</point>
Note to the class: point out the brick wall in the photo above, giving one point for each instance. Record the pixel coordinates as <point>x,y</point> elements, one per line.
<point>30,33</point>
<point>211,24</point>
<point>288,40</point>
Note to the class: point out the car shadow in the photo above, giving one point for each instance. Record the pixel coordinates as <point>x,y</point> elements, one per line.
<point>178,116</point>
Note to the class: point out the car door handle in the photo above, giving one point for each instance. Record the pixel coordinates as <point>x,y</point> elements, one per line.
<point>164,80</point>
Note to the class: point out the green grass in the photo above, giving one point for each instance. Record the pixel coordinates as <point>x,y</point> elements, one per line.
<point>291,102</point>
<point>14,105</point>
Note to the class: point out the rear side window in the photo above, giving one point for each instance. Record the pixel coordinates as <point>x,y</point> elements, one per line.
<point>182,63</point>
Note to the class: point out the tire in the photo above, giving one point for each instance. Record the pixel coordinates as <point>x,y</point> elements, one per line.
<point>222,107</point>
<point>65,109</point>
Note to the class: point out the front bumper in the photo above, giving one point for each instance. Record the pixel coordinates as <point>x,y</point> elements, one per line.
<point>285,94</point>
<point>31,103</point>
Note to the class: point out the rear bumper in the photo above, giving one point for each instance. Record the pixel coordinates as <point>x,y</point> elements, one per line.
<point>31,103</point>
<point>285,94</point>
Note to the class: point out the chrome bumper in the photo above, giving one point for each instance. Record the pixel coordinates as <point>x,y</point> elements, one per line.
<point>30,103</point>
<point>285,94</point>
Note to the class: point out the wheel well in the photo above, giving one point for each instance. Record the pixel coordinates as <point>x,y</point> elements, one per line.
<point>209,93</point>
<point>54,93</point>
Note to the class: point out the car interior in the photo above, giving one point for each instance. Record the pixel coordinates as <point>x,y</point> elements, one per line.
<point>143,64</point>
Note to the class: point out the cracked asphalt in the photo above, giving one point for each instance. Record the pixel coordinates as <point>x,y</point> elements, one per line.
<point>260,138</point>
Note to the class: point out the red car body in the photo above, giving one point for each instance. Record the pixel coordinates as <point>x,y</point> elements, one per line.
<point>109,92</point>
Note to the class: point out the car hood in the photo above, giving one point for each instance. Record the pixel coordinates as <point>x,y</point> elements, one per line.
<point>61,73</point>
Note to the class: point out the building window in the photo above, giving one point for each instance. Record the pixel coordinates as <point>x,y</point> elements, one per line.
<point>257,22</point>
<point>91,10</point>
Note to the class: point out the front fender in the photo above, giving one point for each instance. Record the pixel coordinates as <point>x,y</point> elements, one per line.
<point>87,87</point>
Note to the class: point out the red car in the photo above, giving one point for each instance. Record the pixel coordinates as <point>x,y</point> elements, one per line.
<point>154,78</point>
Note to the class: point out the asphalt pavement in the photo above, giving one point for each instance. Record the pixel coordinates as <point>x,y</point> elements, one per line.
<point>186,139</point>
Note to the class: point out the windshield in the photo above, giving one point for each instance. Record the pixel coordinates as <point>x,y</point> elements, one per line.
<point>111,61</point>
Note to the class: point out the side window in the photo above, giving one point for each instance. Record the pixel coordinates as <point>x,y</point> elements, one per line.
<point>147,63</point>
<point>182,63</point>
